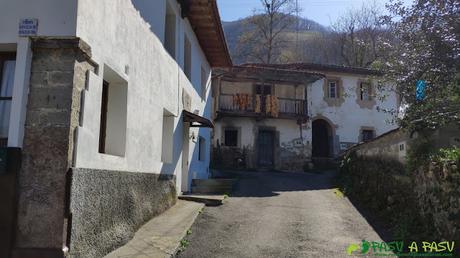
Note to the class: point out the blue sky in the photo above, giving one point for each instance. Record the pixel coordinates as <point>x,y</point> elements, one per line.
<point>321,11</point>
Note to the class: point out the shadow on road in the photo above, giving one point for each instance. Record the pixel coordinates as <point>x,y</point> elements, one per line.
<point>270,183</point>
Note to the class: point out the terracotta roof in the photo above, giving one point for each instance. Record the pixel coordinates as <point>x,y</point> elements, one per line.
<point>278,69</point>
<point>267,74</point>
<point>205,20</point>
<point>318,68</point>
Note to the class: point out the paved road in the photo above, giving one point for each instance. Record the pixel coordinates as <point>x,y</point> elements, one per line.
<point>274,214</point>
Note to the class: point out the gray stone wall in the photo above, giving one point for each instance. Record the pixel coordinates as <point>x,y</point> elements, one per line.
<point>388,145</point>
<point>57,77</point>
<point>109,206</point>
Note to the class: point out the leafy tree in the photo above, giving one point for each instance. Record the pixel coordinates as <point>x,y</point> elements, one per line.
<point>426,47</point>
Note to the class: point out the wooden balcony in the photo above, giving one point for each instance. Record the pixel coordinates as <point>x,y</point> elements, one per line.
<point>262,106</point>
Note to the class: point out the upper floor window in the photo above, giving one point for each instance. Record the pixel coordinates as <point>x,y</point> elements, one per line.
<point>170,31</point>
<point>264,89</point>
<point>333,89</point>
<point>167,138</point>
<point>114,103</point>
<point>365,89</point>
<point>187,58</point>
<point>7,68</point>
<point>367,135</point>
<point>204,83</point>
<point>201,148</point>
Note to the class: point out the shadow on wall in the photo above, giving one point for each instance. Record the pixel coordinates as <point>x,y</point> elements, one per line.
<point>195,165</point>
<point>147,11</point>
<point>152,14</point>
<point>169,168</point>
<point>201,167</point>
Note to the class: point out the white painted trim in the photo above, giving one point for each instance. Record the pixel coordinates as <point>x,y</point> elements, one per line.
<point>20,93</point>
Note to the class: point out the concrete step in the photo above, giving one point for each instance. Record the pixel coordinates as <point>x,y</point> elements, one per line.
<point>161,236</point>
<point>208,200</point>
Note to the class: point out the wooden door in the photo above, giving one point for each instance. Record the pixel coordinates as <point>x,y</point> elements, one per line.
<point>265,148</point>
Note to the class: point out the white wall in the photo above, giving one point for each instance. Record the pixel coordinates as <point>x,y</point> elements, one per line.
<point>55,17</point>
<point>234,88</point>
<point>121,36</point>
<point>288,129</point>
<point>349,117</point>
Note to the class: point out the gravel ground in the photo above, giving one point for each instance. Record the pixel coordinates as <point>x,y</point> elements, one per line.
<point>272,214</point>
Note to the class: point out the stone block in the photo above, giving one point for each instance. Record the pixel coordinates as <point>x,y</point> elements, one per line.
<point>50,97</point>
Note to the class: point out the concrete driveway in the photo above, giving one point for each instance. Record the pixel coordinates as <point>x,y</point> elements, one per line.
<point>273,214</point>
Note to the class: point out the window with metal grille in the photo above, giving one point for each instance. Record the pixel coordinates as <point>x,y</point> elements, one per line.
<point>7,68</point>
<point>231,137</point>
<point>367,135</point>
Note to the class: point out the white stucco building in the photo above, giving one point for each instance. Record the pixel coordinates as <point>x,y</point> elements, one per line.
<point>286,116</point>
<point>105,102</point>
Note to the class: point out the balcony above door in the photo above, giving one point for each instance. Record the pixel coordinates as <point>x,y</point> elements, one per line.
<point>261,106</point>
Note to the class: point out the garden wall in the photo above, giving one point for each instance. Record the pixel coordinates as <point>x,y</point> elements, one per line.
<point>416,193</point>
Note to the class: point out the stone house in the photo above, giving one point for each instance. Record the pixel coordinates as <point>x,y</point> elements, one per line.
<point>285,116</point>
<point>105,118</point>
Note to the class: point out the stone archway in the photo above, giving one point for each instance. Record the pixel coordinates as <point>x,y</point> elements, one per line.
<point>322,139</point>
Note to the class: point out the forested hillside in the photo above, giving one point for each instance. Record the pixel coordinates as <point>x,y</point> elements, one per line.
<point>305,42</point>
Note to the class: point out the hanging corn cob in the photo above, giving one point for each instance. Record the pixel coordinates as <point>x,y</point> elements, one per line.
<point>268,104</point>
<point>257,108</point>
<point>274,106</point>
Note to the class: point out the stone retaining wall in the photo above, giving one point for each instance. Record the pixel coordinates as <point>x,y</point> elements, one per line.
<point>108,207</point>
<point>419,204</point>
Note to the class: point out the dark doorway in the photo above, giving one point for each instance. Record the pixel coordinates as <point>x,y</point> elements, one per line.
<point>265,146</point>
<point>321,138</point>
<point>263,91</point>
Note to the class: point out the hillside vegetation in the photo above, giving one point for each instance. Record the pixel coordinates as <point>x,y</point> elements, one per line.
<point>302,44</point>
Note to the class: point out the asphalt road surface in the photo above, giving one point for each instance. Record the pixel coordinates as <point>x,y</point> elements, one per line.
<point>272,214</point>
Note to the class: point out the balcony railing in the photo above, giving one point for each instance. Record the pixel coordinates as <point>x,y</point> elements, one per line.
<point>262,105</point>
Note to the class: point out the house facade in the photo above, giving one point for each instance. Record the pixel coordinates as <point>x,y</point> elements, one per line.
<point>286,116</point>
<point>106,110</point>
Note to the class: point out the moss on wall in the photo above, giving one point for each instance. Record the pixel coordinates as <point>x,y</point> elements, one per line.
<point>419,204</point>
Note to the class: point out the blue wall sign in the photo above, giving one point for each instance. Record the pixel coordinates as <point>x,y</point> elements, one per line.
<point>420,90</point>
<point>28,27</point>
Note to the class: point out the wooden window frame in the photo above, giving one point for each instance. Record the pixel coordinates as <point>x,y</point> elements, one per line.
<point>104,110</point>
<point>263,87</point>
<point>336,91</point>
<point>188,58</point>
<point>204,83</point>
<point>368,89</point>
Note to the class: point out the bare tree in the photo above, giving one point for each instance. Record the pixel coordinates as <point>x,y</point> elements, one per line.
<point>357,34</point>
<point>263,42</point>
